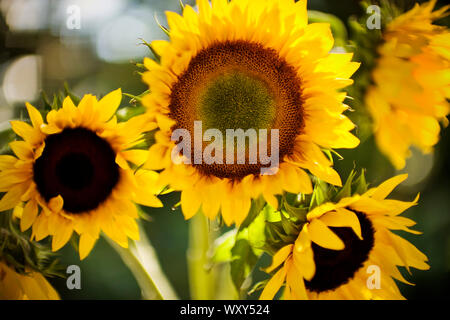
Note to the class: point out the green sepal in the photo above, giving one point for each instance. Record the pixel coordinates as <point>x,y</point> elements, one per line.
<point>297,212</point>
<point>243,262</point>
<point>361,184</point>
<point>22,254</point>
<point>149,46</point>
<point>75,99</point>
<point>346,190</point>
<point>320,194</point>
<point>164,29</point>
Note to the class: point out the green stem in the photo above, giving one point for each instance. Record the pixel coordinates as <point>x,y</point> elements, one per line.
<point>201,280</point>
<point>141,259</point>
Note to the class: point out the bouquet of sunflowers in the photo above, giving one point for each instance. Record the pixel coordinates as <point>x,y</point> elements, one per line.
<point>254,119</point>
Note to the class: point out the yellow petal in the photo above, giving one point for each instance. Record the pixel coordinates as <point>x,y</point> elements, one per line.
<point>24,130</point>
<point>384,189</point>
<point>323,236</point>
<point>12,197</point>
<point>29,215</point>
<point>304,255</point>
<point>342,218</point>
<point>86,244</point>
<point>410,255</point>
<point>279,257</point>
<point>295,281</point>
<point>62,235</point>
<point>242,207</point>
<point>108,105</point>
<point>40,227</point>
<point>190,203</point>
<point>22,150</point>
<point>147,199</point>
<point>7,162</point>
<point>35,116</point>
<point>129,225</point>
<point>274,284</point>
<point>138,157</point>
<point>271,199</point>
<point>56,204</point>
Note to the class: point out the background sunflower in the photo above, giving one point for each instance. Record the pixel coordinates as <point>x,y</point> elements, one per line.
<point>96,59</point>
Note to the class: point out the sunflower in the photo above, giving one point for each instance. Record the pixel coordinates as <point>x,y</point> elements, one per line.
<point>29,286</point>
<point>77,173</point>
<point>342,244</point>
<point>411,83</point>
<point>247,64</point>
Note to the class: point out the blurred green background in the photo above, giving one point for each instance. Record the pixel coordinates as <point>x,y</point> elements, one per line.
<point>38,51</point>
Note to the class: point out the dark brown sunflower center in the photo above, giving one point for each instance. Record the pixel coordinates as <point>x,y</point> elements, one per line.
<point>335,268</point>
<point>239,85</point>
<point>78,165</point>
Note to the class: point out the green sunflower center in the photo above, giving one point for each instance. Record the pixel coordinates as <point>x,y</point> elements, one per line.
<point>235,100</point>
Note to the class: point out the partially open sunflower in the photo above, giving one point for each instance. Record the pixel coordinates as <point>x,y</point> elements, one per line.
<point>411,88</point>
<point>30,286</point>
<point>247,64</point>
<point>346,250</point>
<point>77,173</point>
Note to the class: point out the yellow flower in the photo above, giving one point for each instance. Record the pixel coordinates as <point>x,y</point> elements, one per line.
<point>342,244</point>
<point>412,83</point>
<point>247,64</point>
<point>73,173</point>
<point>30,286</point>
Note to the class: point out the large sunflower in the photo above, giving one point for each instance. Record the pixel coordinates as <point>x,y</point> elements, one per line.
<point>29,286</point>
<point>73,173</point>
<point>343,244</point>
<point>247,64</point>
<point>412,83</point>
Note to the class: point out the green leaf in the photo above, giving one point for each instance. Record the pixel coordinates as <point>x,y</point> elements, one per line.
<point>256,231</point>
<point>6,136</point>
<point>244,261</point>
<point>271,214</point>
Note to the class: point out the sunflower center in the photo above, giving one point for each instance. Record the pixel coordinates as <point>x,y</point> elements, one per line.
<point>236,100</point>
<point>335,268</point>
<point>239,85</point>
<point>78,165</point>
<point>75,170</point>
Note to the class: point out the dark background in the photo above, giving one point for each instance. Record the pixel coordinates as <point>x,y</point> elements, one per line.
<point>38,52</point>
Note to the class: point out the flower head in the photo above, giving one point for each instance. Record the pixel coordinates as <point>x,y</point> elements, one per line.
<point>29,286</point>
<point>338,245</point>
<point>412,83</point>
<point>247,64</point>
<point>77,173</point>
